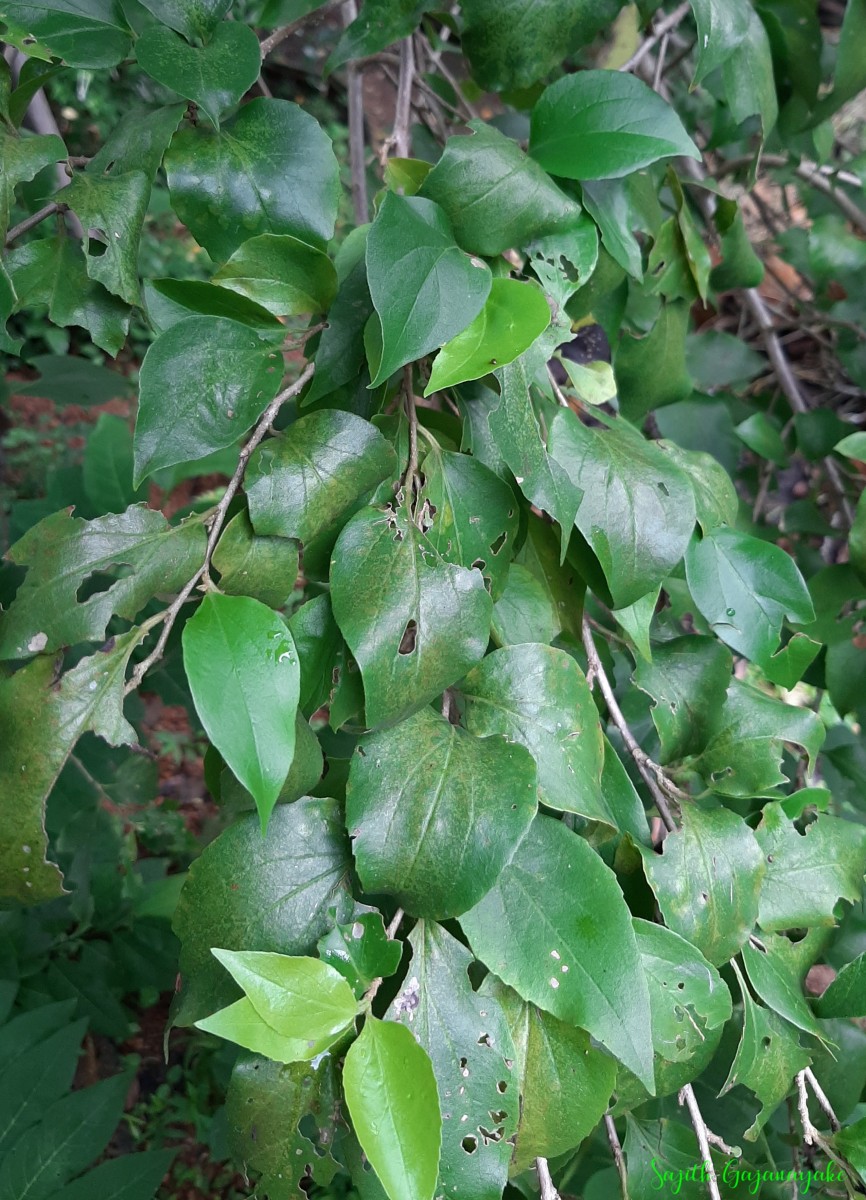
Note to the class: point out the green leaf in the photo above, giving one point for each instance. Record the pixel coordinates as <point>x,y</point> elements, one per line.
<point>564,261</point>
<point>768,1058</point>
<point>776,975</point>
<point>137,142</point>
<point>808,873</point>
<point>495,196</point>
<point>21,159</point>
<point>571,951</point>
<point>112,210</point>
<point>621,799</point>
<point>236,646</point>
<point>565,1083</point>
<point>270,169</point>
<point>638,508</point>
<point>424,806</point>
<point>592,382</point>
<point>538,697</point>
<point>415,623</point>
<point>745,588</point>
<point>108,465</point>
<point>411,240</point>
<point>393,1102</point>
<point>512,43</point>
<point>282,274</point>
<point>515,431</point>
<point>87,35</point>
<point>688,680</point>
<point>716,499</point>
<point>762,436</point>
<point>379,24</point>
<point>723,26</point>
<point>169,301</point>
<point>740,265</point>
<point>203,383</point>
<point>849,76</point>
<point>195,19</point>
<point>604,124</point>
<point>284,892</point>
<point>467,1038</point>
<point>846,995</point>
<point>747,76</point>
<point>293,1009</point>
<point>525,611</point>
<point>340,353</point>
<point>474,515</point>
<point>852,446</point>
<point>744,755</point>
<point>707,880</point>
<point>52,271</point>
<point>62,552</point>
<point>214,76</point>
<point>513,316</point>
<point>307,481</point>
<point>38,1076</point>
<point>130,1177</point>
<point>361,951</point>
<point>262,567</point>
<point>317,640</point>
<point>651,370</point>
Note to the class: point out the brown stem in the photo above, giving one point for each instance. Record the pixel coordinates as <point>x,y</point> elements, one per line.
<point>663,27</point>
<point>270,43</point>
<point>687,1097</point>
<point>616,1150</point>
<point>31,222</point>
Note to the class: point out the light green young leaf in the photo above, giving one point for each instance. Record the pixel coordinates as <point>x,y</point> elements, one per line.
<point>425,809</point>
<point>394,1105</point>
<point>242,1024</point>
<point>281,273</point>
<point>245,679</point>
<point>853,446</point>
<point>570,950</point>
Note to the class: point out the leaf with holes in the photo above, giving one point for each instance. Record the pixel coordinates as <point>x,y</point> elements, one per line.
<point>435,813</point>
<point>112,210</point>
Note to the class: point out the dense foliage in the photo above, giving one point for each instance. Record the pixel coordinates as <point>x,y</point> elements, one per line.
<point>518,592</point>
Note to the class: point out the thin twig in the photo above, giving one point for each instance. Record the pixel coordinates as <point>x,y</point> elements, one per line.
<point>399,139</point>
<point>810,1133</point>
<point>821,1097</point>
<point>657,34</point>
<point>616,1150</point>
<point>687,1097</point>
<point>217,522</point>
<point>650,771</point>
<point>437,61</point>
<point>548,1191</point>
<point>274,39</point>
<point>357,138</point>
<point>660,64</point>
<point>805,169</point>
<point>31,222</point>
<point>411,476</point>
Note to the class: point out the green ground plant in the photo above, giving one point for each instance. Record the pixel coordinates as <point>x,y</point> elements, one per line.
<point>494,510</point>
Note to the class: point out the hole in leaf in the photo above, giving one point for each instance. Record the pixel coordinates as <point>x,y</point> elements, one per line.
<point>463,1064</point>
<point>407,641</point>
<point>494,1135</point>
<point>498,1117</point>
<point>479,564</point>
<point>97,243</point>
<point>704,897</point>
<point>502,1087</point>
<point>470,1144</point>
<point>101,581</point>
<point>681,986</point>
<point>496,546</point>
<point>484,1040</point>
<point>766,1042</point>
<point>661,487</point>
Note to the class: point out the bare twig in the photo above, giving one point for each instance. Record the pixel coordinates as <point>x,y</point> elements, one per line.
<point>357,141</point>
<point>810,1133</point>
<point>548,1191</point>
<point>651,773</point>
<point>657,34</point>
<point>31,222</point>
<point>399,139</point>
<point>216,525</point>
<point>274,39</point>
<point>821,1097</point>
<point>660,64</point>
<point>687,1097</point>
<point>616,1150</point>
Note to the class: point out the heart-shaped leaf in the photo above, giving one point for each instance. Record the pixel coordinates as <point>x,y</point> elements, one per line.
<point>282,274</point>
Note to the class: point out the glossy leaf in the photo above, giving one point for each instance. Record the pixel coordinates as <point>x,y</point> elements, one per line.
<point>392,1099</point>
<point>284,892</point>
<point>808,873</point>
<point>242,1024</point>
<point>168,301</point>
<point>723,26</point>
<point>469,1044</point>
<point>270,169</point>
<point>378,25</point>
<point>195,19</point>
<point>565,1083</point>
<point>112,209</point>
<point>688,680</point>
<point>603,124</point>
<point>361,951</point>
<point>62,552</point>
<point>495,196</point>
<point>281,273</point>
<point>524,612</point>
<point>638,509</point>
<point>715,858</point>
<point>88,36</point>
<point>262,567</point>
<point>513,316</point>
<point>776,976</point>
<point>137,142</point>
<point>411,240</point>
<point>415,623</point>
<point>203,384</point>
<point>244,676</point>
<point>716,500</point>
<point>747,76</point>
<point>435,813</point>
<point>306,482</point>
<point>214,76</point>
<point>745,588</point>
<point>570,951</point>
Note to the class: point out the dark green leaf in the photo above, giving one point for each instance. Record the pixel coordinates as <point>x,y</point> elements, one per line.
<point>214,76</point>
<point>112,209</point>
<point>137,142</point>
<point>435,813</point>
<point>168,301</point>
<point>747,76</point>
<point>638,508</point>
<point>270,169</point>
<point>707,880</point>
<point>21,159</point>
<point>570,950</point>
<point>195,19</point>
<point>393,1102</point>
<point>415,623</point>
<point>688,679</point>
<point>130,1177</point>
<point>411,240</point>
<point>467,1039</point>
<point>651,370</point>
<point>716,499</point>
<point>361,951</point>
<point>282,274</point>
<point>246,892</point>
<point>340,354</point>
<point>245,680</point>
<point>306,482</point>
<point>317,640</point>
<point>63,552</point>
<point>525,611</point>
<point>38,1076</point>
<point>723,26</point>
<point>604,124</point>
<point>263,567</point>
<point>380,24</point>
<point>108,465</point>
<point>846,995</point>
<point>495,196</point>
<point>776,975</point>
<point>203,384</point>
<point>89,35</point>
